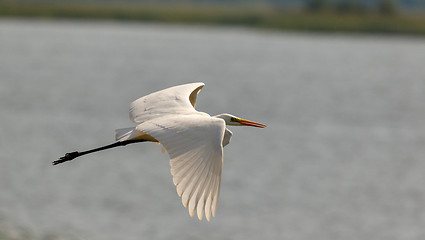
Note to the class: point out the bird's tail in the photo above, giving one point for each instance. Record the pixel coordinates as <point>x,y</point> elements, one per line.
<point>123,134</point>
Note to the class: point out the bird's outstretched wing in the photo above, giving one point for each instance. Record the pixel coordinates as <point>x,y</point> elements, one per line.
<point>194,143</point>
<point>173,100</point>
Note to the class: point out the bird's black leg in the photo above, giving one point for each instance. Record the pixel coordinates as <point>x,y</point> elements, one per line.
<point>72,155</point>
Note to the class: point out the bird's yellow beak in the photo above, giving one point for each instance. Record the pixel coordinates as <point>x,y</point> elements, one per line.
<point>250,123</point>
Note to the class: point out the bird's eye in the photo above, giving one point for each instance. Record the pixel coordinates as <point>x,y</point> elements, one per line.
<point>232,119</point>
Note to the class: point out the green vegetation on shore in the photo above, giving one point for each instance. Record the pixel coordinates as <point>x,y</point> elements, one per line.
<point>261,17</point>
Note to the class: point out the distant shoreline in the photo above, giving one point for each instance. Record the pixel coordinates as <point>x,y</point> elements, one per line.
<point>261,17</point>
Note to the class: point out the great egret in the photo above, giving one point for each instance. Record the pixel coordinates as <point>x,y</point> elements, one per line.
<point>194,140</point>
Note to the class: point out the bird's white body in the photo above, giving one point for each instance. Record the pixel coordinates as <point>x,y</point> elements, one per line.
<point>194,140</point>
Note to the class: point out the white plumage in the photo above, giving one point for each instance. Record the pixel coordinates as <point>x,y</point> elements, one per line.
<point>192,139</point>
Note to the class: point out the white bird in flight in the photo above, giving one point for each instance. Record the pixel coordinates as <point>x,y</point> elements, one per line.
<point>194,140</point>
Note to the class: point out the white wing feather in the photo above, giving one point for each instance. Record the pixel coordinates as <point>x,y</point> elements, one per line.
<point>194,143</point>
<point>174,100</point>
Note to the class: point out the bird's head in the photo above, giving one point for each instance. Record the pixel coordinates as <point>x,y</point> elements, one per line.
<point>236,121</point>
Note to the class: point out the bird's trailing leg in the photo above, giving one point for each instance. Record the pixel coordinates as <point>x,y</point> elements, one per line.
<point>72,155</point>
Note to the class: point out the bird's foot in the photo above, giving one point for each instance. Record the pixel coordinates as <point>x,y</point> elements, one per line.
<point>67,157</point>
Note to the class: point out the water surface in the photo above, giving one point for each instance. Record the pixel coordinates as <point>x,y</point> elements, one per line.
<point>342,157</point>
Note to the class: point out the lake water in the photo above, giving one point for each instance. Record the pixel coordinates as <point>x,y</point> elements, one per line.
<point>343,156</point>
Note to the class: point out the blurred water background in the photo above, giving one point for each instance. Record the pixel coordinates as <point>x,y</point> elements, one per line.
<point>342,156</point>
